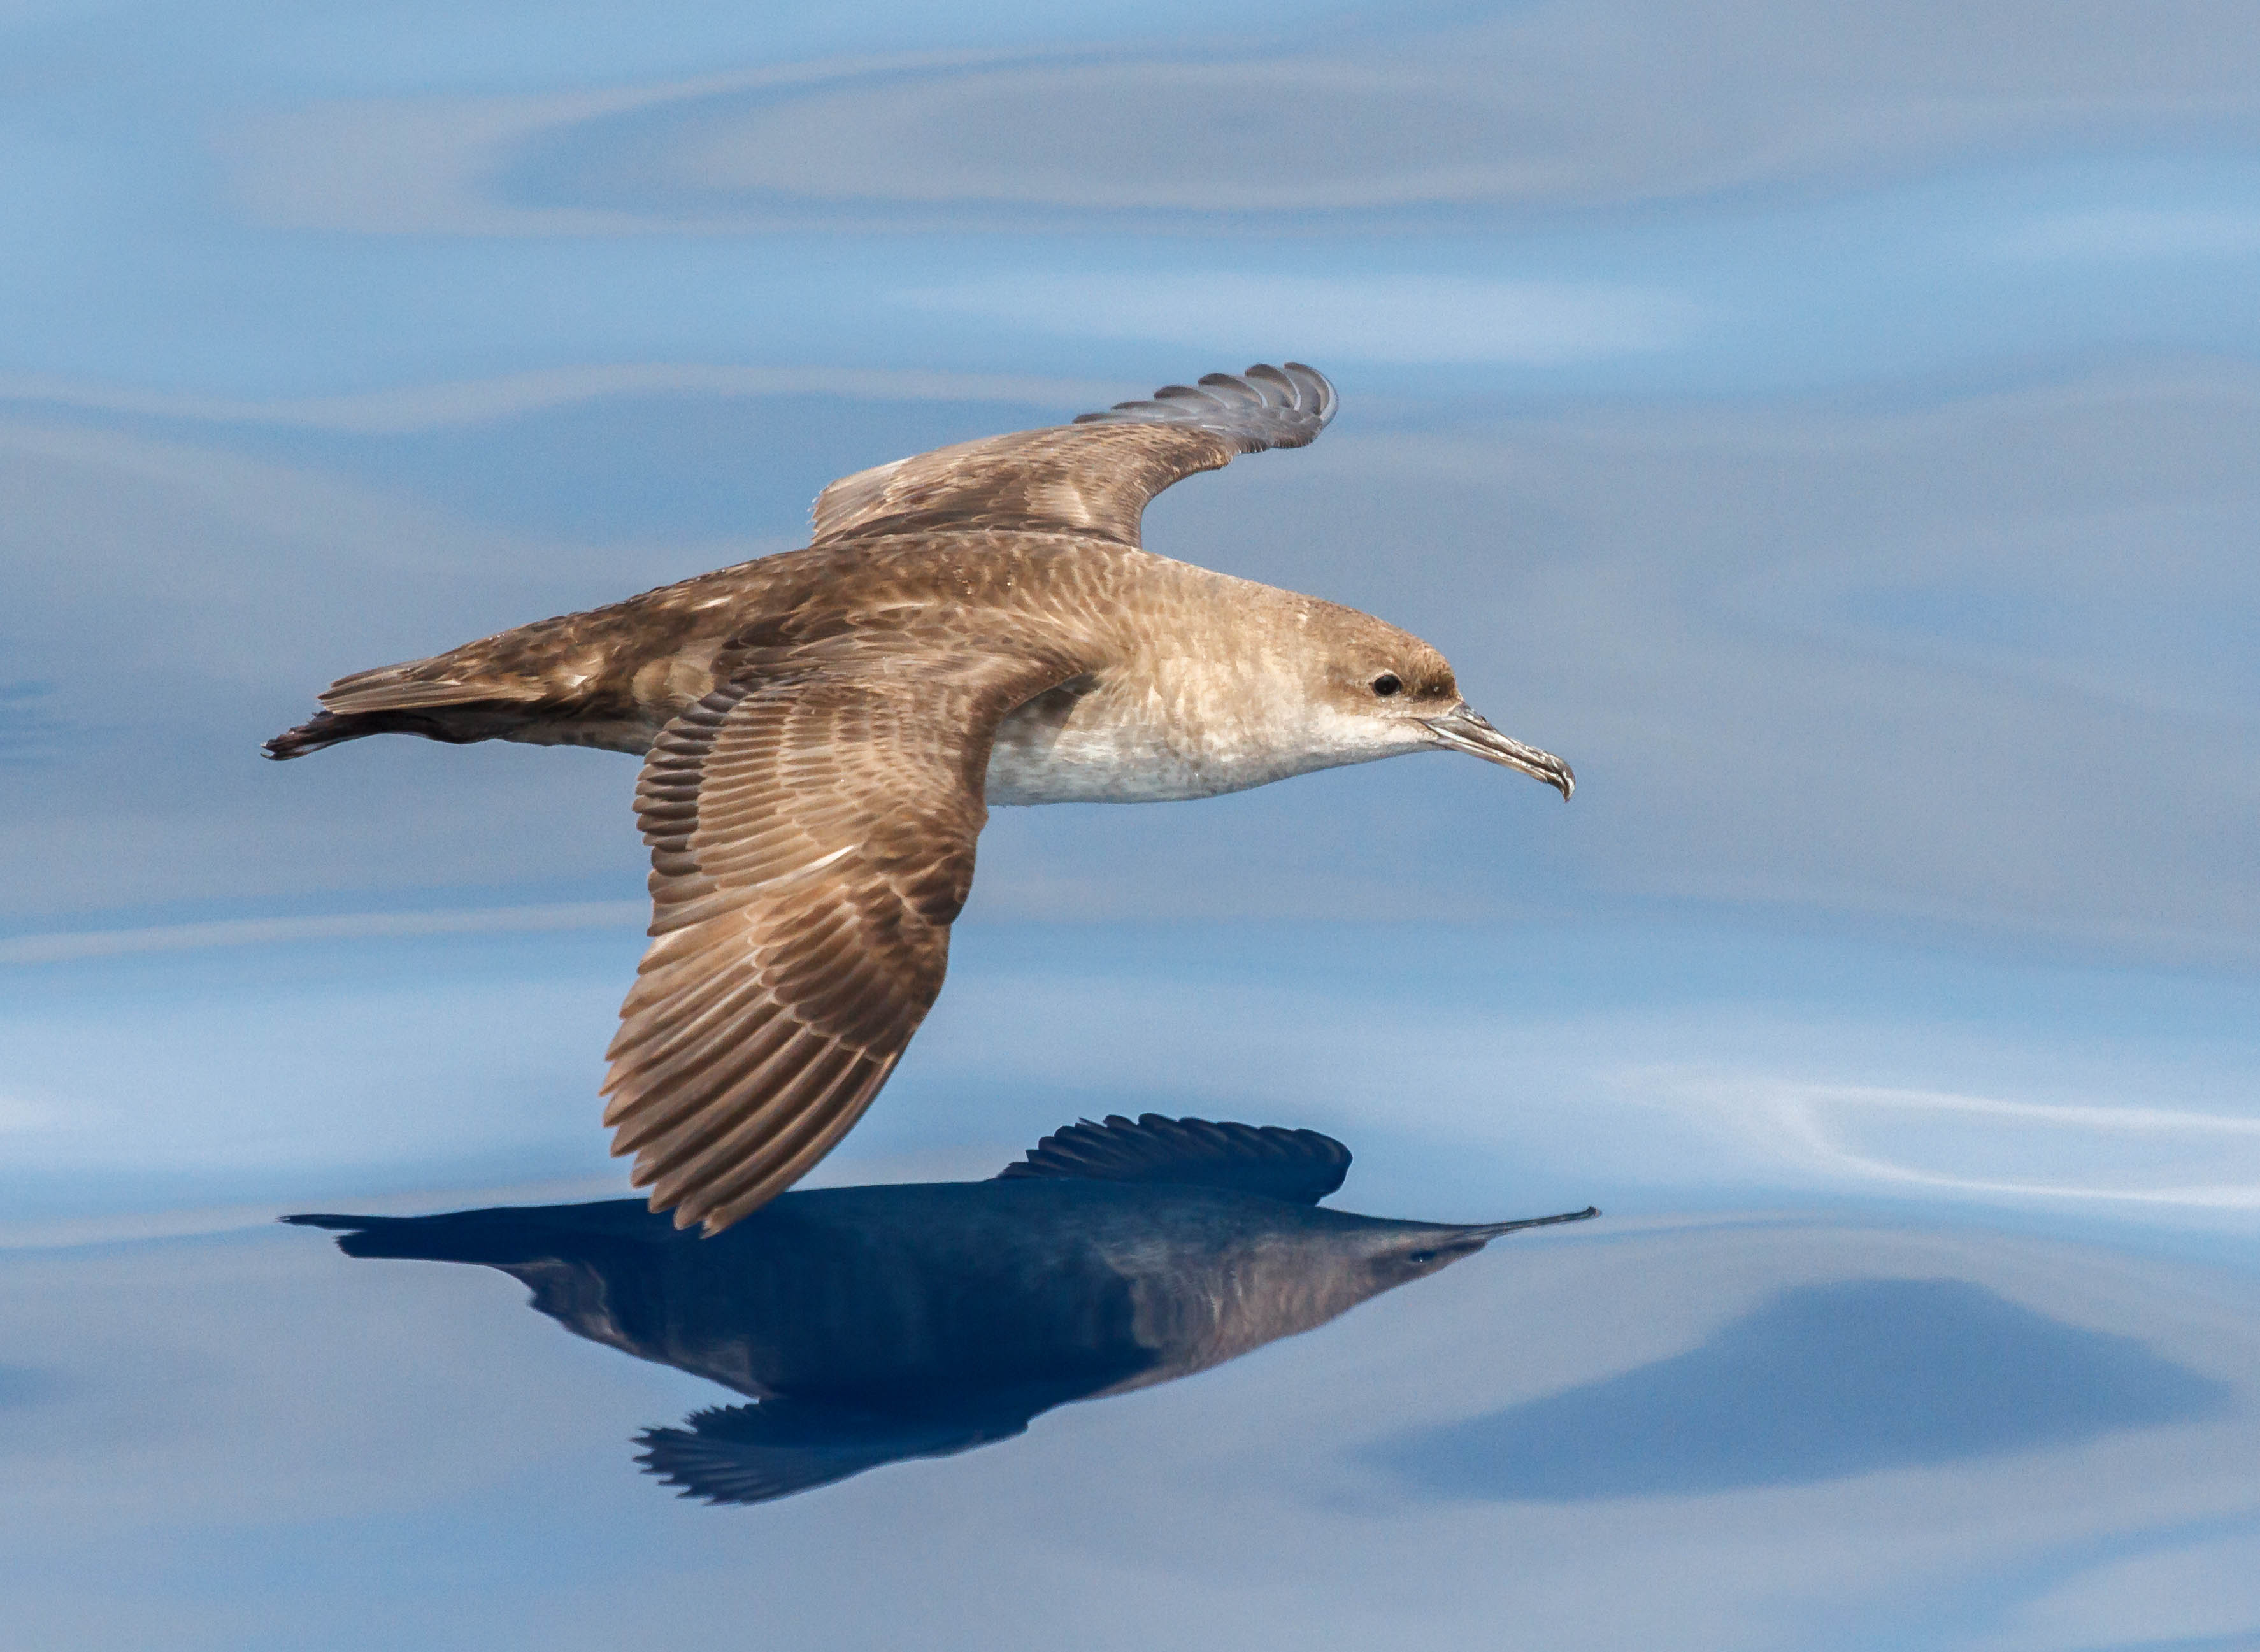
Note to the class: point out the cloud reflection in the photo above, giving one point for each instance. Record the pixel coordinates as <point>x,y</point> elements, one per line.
<point>1946,1143</point>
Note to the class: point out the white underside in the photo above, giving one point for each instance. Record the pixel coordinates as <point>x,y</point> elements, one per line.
<point>1057,750</point>
<point>1109,771</point>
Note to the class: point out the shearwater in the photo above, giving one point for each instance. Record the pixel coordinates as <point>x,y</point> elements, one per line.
<point>823,730</point>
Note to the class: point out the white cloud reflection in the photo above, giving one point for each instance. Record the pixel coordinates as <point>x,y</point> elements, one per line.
<point>1983,1147</point>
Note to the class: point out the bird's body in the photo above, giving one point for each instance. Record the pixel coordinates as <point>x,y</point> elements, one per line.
<point>1164,698</point>
<point>823,731</point>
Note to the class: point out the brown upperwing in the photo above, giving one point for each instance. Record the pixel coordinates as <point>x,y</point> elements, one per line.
<point>1092,476</point>
<point>812,825</point>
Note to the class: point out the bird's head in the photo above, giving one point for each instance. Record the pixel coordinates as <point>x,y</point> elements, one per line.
<point>1380,692</point>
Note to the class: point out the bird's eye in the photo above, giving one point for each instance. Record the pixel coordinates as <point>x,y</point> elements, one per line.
<point>1386,684</point>
<point>1419,1258</point>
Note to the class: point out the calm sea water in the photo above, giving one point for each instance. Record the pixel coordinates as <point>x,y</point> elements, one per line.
<point>1832,435</point>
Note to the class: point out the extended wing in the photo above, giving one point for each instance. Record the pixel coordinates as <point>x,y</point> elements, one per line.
<point>1092,476</point>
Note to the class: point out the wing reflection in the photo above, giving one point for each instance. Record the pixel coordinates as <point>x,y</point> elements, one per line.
<point>875,1324</point>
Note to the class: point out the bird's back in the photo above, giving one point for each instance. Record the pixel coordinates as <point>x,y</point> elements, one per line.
<point>614,677</point>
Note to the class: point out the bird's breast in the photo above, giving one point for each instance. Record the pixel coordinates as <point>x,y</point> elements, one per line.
<point>1092,742</point>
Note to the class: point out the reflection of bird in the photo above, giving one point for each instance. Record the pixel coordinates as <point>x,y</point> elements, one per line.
<point>878,1323</point>
<point>824,728</point>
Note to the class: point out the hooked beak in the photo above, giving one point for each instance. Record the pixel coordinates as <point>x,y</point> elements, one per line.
<point>1462,730</point>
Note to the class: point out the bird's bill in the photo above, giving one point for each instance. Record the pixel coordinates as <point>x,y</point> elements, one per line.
<point>1492,1230</point>
<point>1464,731</point>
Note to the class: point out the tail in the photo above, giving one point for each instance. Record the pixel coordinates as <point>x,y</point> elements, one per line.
<point>447,697</point>
<point>332,728</point>
<point>499,1238</point>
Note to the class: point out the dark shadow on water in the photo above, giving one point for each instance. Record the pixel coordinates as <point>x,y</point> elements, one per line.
<point>874,1324</point>
<point>1822,1383</point>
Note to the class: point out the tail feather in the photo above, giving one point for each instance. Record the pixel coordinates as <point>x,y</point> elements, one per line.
<point>498,1237</point>
<point>444,698</point>
<point>330,728</point>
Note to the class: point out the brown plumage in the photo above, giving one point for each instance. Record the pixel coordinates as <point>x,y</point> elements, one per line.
<point>823,731</point>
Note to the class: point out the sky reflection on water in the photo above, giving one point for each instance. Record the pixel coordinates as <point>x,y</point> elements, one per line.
<point>1832,433</point>
<point>265,1438</point>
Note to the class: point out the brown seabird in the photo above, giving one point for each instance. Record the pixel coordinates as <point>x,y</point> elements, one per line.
<point>823,730</point>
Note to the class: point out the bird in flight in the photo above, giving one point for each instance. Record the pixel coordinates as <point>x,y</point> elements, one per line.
<point>822,732</point>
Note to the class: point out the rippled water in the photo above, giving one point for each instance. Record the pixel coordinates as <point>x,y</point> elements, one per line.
<point>1804,1428</point>
<point>1768,1397</point>
<point>1831,433</point>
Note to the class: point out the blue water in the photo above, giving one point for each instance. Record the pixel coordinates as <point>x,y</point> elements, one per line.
<point>1831,434</point>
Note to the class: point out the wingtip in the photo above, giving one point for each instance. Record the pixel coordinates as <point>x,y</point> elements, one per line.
<point>325,728</point>
<point>1264,406</point>
<point>1314,380</point>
